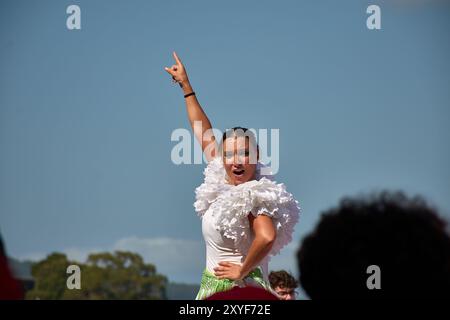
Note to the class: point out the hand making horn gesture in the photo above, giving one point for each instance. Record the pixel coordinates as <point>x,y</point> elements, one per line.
<point>177,71</point>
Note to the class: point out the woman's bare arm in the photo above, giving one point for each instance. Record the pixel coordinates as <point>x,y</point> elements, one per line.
<point>265,235</point>
<point>196,115</point>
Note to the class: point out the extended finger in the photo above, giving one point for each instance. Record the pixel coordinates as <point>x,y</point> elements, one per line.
<point>169,71</point>
<point>177,59</point>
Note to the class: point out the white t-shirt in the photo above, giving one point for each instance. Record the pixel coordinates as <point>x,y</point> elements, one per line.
<point>220,248</point>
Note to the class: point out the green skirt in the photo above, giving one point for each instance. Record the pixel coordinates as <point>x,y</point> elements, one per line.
<point>210,284</point>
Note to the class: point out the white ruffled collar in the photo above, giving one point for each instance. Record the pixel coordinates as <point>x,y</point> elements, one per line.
<point>230,204</point>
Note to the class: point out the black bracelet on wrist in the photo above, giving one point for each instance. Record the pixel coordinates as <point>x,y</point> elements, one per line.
<point>189,94</point>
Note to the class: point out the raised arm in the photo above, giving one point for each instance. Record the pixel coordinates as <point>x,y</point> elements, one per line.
<point>195,112</point>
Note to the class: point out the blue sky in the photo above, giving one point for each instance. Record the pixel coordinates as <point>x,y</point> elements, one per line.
<point>86,115</point>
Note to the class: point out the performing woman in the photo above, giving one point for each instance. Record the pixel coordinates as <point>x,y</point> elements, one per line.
<point>246,216</point>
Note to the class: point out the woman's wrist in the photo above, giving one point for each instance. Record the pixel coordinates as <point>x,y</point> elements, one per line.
<point>243,273</point>
<point>186,86</point>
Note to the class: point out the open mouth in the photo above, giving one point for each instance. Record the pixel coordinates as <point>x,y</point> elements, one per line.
<point>238,172</point>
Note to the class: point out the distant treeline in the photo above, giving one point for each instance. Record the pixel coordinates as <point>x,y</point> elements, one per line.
<point>118,275</point>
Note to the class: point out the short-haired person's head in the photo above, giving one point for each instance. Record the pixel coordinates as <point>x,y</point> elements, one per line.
<point>284,284</point>
<point>240,154</point>
<point>403,236</point>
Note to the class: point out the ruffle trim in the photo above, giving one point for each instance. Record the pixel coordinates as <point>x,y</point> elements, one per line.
<point>231,205</point>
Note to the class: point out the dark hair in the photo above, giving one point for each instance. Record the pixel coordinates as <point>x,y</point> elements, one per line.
<point>230,132</point>
<point>282,279</point>
<point>238,131</point>
<point>403,236</point>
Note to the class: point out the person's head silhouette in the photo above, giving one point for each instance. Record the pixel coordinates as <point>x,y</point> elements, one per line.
<point>402,236</point>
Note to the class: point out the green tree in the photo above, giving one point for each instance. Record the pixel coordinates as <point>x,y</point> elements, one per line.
<point>50,277</point>
<point>121,275</point>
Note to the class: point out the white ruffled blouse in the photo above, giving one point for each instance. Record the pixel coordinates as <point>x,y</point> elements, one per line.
<point>224,210</point>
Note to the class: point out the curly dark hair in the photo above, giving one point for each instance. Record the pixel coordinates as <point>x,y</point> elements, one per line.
<point>282,279</point>
<point>403,236</point>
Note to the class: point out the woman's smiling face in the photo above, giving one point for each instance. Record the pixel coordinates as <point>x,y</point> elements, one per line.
<point>240,158</point>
